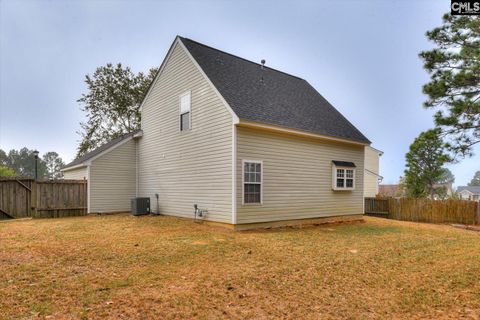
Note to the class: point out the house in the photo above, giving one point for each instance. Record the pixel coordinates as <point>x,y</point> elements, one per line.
<point>388,190</point>
<point>372,171</point>
<point>469,193</point>
<point>443,190</point>
<point>111,174</point>
<point>250,145</point>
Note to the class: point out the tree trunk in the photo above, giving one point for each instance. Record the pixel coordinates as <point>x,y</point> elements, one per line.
<point>432,192</point>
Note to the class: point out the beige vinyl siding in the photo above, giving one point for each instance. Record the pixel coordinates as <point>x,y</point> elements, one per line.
<point>76,174</point>
<point>191,167</point>
<point>372,163</point>
<point>113,179</point>
<point>297,177</point>
<point>371,185</point>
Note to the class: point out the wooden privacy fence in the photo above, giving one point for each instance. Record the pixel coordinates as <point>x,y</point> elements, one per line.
<point>25,197</point>
<point>15,198</point>
<point>425,210</point>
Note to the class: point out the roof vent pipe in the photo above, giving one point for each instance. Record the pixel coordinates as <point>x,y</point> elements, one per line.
<point>263,63</point>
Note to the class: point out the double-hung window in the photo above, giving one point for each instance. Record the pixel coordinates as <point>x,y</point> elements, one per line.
<point>185,117</point>
<point>252,181</point>
<point>343,174</point>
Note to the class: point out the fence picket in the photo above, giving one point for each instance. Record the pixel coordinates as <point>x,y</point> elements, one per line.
<point>425,210</point>
<point>23,197</point>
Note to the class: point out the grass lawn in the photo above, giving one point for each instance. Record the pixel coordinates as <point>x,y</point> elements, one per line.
<point>162,267</point>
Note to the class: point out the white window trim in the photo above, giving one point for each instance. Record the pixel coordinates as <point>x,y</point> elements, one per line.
<point>180,113</point>
<point>243,183</point>
<point>334,178</point>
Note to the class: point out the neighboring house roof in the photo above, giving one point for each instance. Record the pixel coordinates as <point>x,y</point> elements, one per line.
<point>265,95</point>
<point>388,190</point>
<point>99,150</point>
<point>471,189</point>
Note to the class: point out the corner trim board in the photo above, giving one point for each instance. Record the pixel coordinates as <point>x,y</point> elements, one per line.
<point>89,186</point>
<point>234,174</point>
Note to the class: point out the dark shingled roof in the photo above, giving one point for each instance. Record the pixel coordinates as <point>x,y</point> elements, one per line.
<point>271,96</point>
<point>100,149</point>
<point>472,189</point>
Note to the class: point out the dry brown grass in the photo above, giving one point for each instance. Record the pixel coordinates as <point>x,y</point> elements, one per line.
<point>166,268</point>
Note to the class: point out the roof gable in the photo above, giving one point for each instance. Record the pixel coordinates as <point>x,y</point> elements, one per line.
<point>270,96</point>
<point>103,148</point>
<point>471,189</point>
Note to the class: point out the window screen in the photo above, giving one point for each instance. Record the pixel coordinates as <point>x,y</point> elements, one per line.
<point>344,178</point>
<point>252,182</point>
<point>185,112</point>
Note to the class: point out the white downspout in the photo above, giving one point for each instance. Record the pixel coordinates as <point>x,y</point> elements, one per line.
<point>234,173</point>
<point>136,167</point>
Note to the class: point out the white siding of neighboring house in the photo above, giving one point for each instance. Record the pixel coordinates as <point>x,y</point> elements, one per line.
<point>113,179</point>
<point>75,174</point>
<point>297,177</point>
<point>467,195</point>
<point>372,164</point>
<point>186,168</point>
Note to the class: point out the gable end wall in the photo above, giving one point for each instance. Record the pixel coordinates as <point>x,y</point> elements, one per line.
<point>112,179</point>
<point>186,168</point>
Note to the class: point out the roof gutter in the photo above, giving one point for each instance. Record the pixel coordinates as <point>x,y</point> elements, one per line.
<point>380,152</point>
<point>375,174</point>
<point>275,128</point>
<point>77,166</point>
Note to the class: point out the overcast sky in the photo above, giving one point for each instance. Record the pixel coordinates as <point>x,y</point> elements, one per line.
<point>360,55</point>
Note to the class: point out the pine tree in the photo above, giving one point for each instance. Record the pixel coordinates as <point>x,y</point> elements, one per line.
<point>53,164</point>
<point>424,163</point>
<point>454,87</point>
<point>475,180</point>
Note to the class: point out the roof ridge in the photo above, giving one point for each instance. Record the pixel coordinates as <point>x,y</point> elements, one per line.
<point>468,187</point>
<point>238,57</point>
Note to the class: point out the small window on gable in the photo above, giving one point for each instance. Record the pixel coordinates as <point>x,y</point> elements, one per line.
<point>185,116</point>
<point>343,175</point>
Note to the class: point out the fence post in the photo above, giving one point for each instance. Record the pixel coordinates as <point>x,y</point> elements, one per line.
<point>477,218</point>
<point>33,198</point>
<point>397,208</point>
<point>85,196</point>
